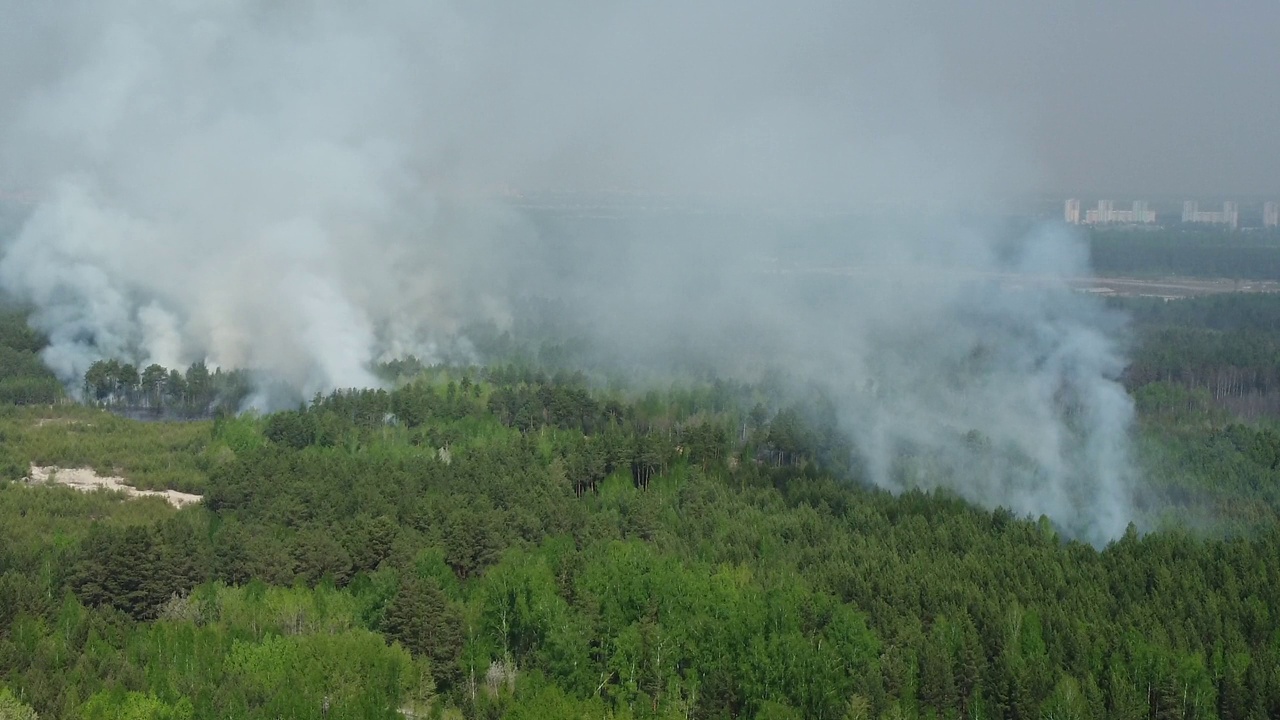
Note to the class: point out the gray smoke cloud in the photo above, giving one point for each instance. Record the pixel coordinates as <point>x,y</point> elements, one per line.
<point>304,188</point>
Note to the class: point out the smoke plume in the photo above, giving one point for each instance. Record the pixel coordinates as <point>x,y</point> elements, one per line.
<point>304,188</point>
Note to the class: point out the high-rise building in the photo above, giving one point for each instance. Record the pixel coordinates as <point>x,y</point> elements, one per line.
<point>1189,208</point>
<point>1141,214</point>
<point>1271,214</point>
<point>1071,213</point>
<point>1230,214</point>
<point>1100,214</point>
<point>1105,212</point>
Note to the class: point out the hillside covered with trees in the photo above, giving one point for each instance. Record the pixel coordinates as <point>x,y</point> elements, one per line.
<point>516,541</point>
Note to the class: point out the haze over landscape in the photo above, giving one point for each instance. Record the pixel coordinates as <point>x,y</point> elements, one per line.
<point>1145,98</point>
<point>299,191</point>
<point>448,279</point>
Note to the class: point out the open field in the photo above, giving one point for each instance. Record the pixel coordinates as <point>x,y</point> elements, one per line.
<point>144,455</point>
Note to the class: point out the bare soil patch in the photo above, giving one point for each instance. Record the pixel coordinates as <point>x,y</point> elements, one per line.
<point>41,422</point>
<point>87,480</point>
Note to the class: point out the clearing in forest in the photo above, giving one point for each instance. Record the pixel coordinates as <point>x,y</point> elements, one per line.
<point>87,480</point>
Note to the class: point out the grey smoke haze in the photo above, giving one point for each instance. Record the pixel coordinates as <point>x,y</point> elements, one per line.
<point>303,188</point>
<point>1140,98</point>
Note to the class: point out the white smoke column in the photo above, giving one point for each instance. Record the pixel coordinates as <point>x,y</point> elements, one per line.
<point>303,187</point>
<point>954,360</point>
<point>66,263</point>
<point>1013,392</point>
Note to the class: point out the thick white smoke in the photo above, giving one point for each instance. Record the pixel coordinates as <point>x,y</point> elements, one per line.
<point>1006,392</point>
<point>953,359</point>
<point>304,187</point>
<point>235,182</point>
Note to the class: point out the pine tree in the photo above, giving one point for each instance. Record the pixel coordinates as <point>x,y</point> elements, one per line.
<point>421,618</point>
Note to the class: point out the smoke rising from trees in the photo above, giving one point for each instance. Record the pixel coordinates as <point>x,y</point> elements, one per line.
<point>303,188</point>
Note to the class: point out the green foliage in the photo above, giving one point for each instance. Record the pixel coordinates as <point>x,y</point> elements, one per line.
<point>427,623</point>
<point>134,706</point>
<point>24,380</point>
<point>351,674</point>
<point>154,455</point>
<point>510,542</point>
<point>159,392</point>
<point>239,434</point>
<point>11,708</point>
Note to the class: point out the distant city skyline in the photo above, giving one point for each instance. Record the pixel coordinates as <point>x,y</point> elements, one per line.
<point>1229,215</point>
<point>1140,212</point>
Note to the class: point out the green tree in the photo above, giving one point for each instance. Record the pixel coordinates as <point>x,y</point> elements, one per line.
<point>422,619</point>
<point>152,383</point>
<point>11,708</point>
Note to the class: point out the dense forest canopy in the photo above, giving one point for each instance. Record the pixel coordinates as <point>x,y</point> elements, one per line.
<point>1252,254</point>
<point>523,540</point>
<point>627,361</point>
<point>1224,346</point>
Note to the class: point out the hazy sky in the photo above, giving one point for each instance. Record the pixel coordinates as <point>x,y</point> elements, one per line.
<point>1145,96</point>
<point>1141,97</point>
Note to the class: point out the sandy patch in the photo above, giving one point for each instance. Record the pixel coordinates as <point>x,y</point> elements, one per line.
<point>41,422</point>
<point>86,480</point>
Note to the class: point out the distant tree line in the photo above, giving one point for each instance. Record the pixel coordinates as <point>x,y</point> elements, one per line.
<point>1226,345</point>
<point>159,390</point>
<point>1191,253</point>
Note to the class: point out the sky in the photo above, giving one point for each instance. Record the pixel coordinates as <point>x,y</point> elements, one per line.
<point>1141,98</point>
<point>1146,96</point>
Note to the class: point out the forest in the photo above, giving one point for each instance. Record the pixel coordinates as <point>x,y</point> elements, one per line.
<point>521,541</point>
<point>1188,251</point>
